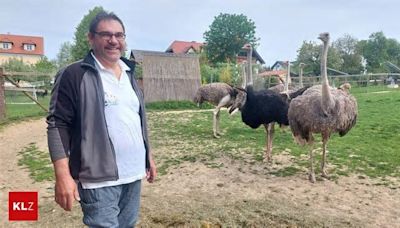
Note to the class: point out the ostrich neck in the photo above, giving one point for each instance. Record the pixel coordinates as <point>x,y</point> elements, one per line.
<point>327,101</point>
<point>287,81</point>
<point>301,76</point>
<point>249,72</point>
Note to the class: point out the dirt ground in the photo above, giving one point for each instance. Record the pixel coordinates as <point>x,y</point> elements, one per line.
<point>193,195</point>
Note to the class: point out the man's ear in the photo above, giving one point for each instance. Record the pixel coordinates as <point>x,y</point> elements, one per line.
<point>90,37</point>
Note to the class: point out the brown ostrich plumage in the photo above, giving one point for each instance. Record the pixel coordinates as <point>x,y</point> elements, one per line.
<point>218,94</point>
<point>322,109</point>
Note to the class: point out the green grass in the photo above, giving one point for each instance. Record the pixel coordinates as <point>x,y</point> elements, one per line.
<point>370,148</point>
<point>37,162</point>
<point>175,105</point>
<point>17,112</point>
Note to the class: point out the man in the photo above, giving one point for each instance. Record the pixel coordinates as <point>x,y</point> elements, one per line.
<point>97,131</point>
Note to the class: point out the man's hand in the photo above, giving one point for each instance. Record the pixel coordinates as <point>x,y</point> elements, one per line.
<point>66,190</point>
<point>151,173</point>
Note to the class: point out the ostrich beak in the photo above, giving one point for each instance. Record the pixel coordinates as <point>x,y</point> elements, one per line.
<point>323,35</point>
<point>232,111</point>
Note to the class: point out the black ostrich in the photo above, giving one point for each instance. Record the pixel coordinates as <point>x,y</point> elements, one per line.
<point>263,107</point>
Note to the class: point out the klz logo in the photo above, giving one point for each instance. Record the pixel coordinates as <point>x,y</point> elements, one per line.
<point>22,206</point>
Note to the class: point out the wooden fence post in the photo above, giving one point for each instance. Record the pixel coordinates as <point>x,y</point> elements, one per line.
<point>2,96</point>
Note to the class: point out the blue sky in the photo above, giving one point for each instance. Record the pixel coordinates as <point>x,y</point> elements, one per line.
<point>282,25</point>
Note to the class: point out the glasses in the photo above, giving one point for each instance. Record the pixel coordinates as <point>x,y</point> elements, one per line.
<point>108,35</point>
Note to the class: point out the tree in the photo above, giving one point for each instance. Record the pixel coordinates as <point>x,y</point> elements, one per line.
<point>81,45</point>
<point>64,56</point>
<point>225,74</point>
<point>374,52</point>
<point>45,66</point>
<point>308,54</point>
<point>208,74</point>
<point>377,50</point>
<point>16,65</point>
<point>393,51</point>
<point>349,53</point>
<point>226,36</point>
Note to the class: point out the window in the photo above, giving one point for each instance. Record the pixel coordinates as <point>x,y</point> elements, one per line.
<point>5,45</point>
<point>29,47</point>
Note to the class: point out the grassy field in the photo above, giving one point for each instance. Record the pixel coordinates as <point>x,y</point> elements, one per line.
<point>182,141</point>
<point>370,148</point>
<point>21,107</point>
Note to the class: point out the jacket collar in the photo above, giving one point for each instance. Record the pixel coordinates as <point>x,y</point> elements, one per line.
<point>89,61</point>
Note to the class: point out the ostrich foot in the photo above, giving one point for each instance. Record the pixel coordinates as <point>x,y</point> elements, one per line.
<point>219,133</point>
<point>267,160</point>
<point>216,136</point>
<point>311,177</point>
<point>324,174</point>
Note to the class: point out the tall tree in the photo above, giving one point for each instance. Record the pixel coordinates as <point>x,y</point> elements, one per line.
<point>64,56</point>
<point>349,54</point>
<point>226,36</point>
<point>393,51</point>
<point>309,54</point>
<point>377,50</point>
<point>374,52</point>
<point>81,44</point>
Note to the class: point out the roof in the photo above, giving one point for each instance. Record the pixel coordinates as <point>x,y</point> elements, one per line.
<point>243,53</point>
<point>277,72</point>
<point>280,63</point>
<point>18,42</point>
<point>182,47</point>
<point>137,55</point>
<point>273,73</point>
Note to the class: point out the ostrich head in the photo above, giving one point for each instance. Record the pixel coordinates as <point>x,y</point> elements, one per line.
<point>324,37</point>
<point>345,87</point>
<point>239,100</point>
<point>247,46</point>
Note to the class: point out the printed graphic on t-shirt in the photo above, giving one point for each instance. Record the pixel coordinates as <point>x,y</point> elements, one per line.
<point>110,99</point>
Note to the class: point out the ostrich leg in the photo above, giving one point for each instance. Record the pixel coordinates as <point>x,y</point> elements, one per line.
<point>223,102</point>
<point>218,131</point>
<point>269,129</point>
<point>311,175</point>
<point>215,121</point>
<point>325,138</point>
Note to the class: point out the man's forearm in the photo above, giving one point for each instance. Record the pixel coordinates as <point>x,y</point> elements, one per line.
<point>61,168</point>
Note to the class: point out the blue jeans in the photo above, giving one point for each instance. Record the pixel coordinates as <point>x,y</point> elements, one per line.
<point>115,206</point>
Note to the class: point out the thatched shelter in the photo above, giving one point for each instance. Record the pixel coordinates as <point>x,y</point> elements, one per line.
<point>168,76</point>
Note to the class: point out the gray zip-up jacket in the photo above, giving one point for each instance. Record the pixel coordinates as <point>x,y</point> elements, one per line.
<point>77,126</point>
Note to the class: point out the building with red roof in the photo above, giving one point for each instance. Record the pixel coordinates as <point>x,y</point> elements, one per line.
<point>184,47</point>
<point>29,49</point>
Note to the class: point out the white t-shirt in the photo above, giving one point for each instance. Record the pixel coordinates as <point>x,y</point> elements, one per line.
<point>124,126</point>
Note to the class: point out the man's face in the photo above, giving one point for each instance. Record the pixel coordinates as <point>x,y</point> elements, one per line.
<point>108,42</point>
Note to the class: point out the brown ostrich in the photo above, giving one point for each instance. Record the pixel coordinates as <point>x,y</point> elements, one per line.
<point>218,94</point>
<point>325,110</point>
